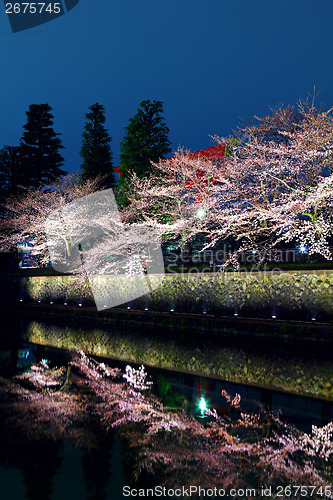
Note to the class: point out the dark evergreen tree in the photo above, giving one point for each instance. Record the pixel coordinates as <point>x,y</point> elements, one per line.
<point>146,140</point>
<point>11,174</point>
<point>96,149</point>
<point>40,147</point>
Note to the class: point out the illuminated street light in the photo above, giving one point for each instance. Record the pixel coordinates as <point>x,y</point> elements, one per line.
<point>202,405</point>
<point>201,213</point>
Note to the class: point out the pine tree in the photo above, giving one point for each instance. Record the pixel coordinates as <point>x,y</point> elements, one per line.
<point>146,140</point>
<point>11,177</point>
<point>96,149</point>
<point>40,147</point>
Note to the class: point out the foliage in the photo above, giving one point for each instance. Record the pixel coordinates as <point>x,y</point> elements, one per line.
<point>96,151</point>
<point>146,140</point>
<point>40,147</point>
<point>11,175</point>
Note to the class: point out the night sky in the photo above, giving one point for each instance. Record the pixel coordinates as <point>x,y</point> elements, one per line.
<point>211,62</point>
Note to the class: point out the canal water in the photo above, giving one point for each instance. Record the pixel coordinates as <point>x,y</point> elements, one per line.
<point>47,471</point>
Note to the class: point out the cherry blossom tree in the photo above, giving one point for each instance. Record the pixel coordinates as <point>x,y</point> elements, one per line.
<point>180,199</point>
<point>282,183</point>
<point>276,187</point>
<point>26,215</point>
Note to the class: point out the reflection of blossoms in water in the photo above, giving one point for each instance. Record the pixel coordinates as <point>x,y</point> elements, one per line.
<point>138,379</point>
<point>250,419</point>
<point>170,446</point>
<point>235,401</point>
<point>40,374</point>
<point>319,443</point>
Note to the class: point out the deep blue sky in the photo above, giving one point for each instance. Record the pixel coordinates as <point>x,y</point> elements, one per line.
<point>212,62</point>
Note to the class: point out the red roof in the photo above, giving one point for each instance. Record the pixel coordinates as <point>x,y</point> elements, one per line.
<point>118,171</point>
<point>200,176</point>
<point>209,153</point>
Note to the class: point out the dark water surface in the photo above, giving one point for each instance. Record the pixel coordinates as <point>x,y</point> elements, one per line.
<point>57,471</point>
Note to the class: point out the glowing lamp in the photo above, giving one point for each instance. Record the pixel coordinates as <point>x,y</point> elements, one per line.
<point>201,213</point>
<point>202,404</point>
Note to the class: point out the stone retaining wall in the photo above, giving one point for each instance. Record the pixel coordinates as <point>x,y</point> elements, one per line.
<point>289,295</point>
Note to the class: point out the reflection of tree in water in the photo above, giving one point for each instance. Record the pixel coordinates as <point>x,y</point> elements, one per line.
<point>97,473</point>
<point>38,459</point>
<point>40,463</point>
<point>38,414</point>
<point>170,448</point>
